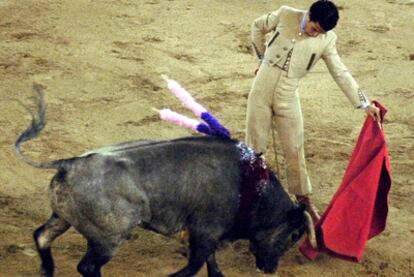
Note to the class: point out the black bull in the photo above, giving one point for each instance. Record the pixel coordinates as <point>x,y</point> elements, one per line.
<point>165,186</point>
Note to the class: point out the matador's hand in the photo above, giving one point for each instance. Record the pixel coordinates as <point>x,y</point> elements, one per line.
<point>374,112</point>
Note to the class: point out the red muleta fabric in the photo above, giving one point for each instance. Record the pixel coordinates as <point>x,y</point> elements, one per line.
<point>359,208</point>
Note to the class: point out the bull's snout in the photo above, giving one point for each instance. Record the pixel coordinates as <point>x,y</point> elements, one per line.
<point>266,267</point>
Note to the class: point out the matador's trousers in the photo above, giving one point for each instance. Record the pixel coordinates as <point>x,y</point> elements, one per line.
<point>274,95</point>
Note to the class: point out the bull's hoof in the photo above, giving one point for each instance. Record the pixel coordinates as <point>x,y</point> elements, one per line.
<point>46,273</point>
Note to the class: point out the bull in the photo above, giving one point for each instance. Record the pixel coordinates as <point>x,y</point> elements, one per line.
<point>193,183</point>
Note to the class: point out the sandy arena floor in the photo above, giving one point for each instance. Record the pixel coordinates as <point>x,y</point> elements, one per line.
<point>100,63</point>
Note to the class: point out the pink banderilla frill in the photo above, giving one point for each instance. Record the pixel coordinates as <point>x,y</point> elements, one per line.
<point>179,119</point>
<point>185,97</point>
<point>213,126</point>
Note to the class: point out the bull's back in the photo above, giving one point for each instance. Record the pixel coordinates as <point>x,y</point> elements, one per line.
<point>165,185</point>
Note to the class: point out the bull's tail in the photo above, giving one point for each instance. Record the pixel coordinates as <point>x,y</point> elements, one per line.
<point>38,123</point>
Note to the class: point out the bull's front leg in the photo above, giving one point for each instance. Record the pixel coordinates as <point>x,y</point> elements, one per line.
<point>201,248</point>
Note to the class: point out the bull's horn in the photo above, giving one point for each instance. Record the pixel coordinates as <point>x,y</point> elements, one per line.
<point>311,230</point>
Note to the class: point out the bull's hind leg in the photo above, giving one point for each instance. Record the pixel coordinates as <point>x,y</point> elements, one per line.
<point>212,267</point>
<point>44,236</point>
<point>96,256</point>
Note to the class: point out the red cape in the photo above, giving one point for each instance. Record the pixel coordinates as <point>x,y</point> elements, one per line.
<point>359,208</point>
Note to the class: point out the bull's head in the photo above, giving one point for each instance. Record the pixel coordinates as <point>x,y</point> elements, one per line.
<point>270,244</point>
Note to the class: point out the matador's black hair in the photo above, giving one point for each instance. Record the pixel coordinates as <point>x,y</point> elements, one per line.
<point>325,13</point>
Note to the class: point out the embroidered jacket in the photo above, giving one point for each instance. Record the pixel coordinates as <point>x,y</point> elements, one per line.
<point>284,26</point>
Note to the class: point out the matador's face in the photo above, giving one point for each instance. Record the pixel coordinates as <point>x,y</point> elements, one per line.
<point>313,29</point>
